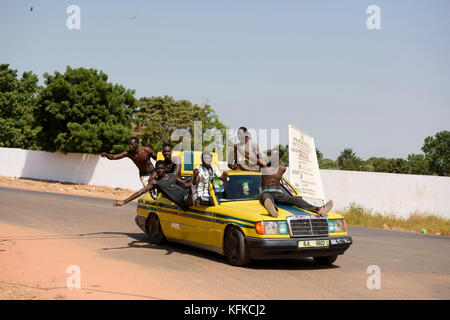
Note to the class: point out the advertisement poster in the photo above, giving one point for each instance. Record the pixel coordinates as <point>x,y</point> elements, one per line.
<point>304,168</point>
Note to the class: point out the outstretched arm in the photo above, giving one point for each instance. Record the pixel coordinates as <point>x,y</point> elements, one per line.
<point>114,156</point>
<point>184,184</point>
<point>151,185</point>
<point>151,153</point>
<point>281,170</point>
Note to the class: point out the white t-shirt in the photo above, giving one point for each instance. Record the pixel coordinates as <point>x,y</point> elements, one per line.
<point>205,176</point>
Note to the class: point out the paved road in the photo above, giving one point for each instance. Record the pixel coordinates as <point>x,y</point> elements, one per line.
<point>413,266</point>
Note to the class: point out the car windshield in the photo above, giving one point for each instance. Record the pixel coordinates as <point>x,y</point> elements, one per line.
<point>238,187</point>
<point>241,187</point>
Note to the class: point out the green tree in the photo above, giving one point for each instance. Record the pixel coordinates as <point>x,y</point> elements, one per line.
<point>319,156</point>
<point>282,148</point>
<point>437,152</point>
<point>327,164</point>
<point>348,160</point>
<point>17,101</point>
<point>285,157</point>
<point>419,164</point>
<point>79,111</point>
<point>378,164</point>
<point>156,118</point>
<point>398,165</point>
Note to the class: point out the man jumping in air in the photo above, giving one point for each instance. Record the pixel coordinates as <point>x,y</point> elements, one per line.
<point>141,158</point>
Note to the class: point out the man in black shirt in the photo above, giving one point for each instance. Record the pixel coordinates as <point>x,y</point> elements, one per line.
<point>168,184</point>
<point>173,164</point>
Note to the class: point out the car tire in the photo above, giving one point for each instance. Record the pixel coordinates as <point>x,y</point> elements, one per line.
<point>154,230</point>
<point>325,261</point>
<point>235,248</point>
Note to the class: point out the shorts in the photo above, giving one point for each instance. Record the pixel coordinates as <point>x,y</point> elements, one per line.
<point>145,177</point>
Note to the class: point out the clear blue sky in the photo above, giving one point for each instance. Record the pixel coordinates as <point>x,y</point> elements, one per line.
<point>261,64</point>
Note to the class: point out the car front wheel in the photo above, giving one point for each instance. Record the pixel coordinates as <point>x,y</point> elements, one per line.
<point>235,248</point>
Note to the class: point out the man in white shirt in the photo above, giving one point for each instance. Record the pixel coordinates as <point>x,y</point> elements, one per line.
<point>203,175</point>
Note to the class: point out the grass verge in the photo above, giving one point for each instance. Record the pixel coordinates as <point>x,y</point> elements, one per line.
<point>359,216</point>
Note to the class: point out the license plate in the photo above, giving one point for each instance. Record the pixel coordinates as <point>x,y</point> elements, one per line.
<point>313,243</point>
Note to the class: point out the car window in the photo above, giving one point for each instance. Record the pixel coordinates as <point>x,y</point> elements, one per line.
<point>238,187</point>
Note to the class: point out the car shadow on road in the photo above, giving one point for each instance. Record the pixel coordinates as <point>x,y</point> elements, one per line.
<point>289,264</point>
<point>140,241</point>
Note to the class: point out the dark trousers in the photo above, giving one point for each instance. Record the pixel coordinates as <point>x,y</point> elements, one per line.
<point>282,198</point>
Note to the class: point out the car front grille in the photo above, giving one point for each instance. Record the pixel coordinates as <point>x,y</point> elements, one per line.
<point>317,227</point>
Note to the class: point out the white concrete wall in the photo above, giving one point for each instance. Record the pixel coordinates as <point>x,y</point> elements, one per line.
<point>400,194</point>
<point>73,167</point>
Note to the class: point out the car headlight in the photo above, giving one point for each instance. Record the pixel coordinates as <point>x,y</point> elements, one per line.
<point>271,227</point>
<point>337,225</point>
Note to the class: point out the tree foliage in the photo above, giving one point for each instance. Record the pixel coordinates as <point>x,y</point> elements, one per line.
<point>378,164</point>
<point>419,164</point>
<point>79,111</point>
<point>319,155</point>
<point>348,160</point>
<point>327,164</point>
<point>17,101</point>
<point>437,152</point>
<point>156,118</point>
<point>398,165</point>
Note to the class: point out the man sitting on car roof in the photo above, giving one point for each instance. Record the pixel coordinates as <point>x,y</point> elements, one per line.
<point>236,158</point>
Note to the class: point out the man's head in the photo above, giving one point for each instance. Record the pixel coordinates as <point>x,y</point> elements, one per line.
<point>167,151</point>
<point>241,133</point>
<point>133,144</point>
<point>206,158</point>
<point>160,168</point>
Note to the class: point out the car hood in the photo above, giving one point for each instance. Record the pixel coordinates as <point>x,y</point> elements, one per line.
<point>251,208</point>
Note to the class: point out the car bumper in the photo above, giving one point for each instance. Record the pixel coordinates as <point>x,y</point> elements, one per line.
<point>288,248</point>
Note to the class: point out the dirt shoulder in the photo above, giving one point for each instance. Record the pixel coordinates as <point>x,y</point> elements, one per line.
<point>65,187</point>
<point>37,264</point>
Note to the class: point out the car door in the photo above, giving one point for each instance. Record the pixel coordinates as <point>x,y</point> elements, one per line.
<point>169,217</point>
<point>196,224</point>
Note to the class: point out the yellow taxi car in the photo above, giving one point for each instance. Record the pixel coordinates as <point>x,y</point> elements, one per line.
<point>237,226</point>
